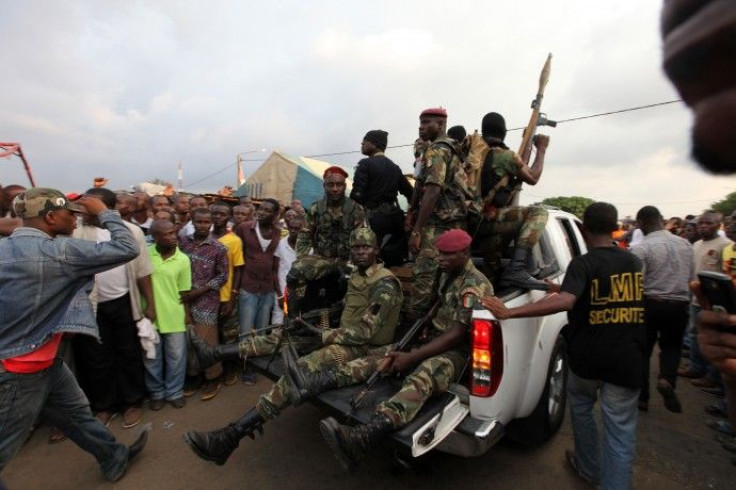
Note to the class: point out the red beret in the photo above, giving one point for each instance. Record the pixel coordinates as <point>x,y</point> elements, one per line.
<point>334,170</point>
<point>434,111</point>
<point>453,241</point>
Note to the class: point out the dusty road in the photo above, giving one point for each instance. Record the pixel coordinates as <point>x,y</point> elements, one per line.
<point>674,452</point>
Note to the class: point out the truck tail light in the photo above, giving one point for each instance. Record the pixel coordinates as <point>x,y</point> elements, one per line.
<point>487,357</point>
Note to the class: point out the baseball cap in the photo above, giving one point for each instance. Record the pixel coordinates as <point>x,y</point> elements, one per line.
<point>40,200</point>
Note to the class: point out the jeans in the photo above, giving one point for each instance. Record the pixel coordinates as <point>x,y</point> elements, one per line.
<point>609,461</point>
<point>54,395</point>
<point>172,351</point>
<point>254,310</point>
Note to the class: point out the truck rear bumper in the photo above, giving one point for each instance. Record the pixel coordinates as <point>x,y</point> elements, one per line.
<point>472,437</point>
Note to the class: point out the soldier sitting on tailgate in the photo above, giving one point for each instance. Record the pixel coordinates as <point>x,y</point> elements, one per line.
<point>326,233</point>
<point>371,312</point>
<point>431,365</point>
<point>498,171</point>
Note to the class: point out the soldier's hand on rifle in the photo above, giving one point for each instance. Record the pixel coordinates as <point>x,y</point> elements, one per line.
<point>541,141</point>
<point>399,362</point>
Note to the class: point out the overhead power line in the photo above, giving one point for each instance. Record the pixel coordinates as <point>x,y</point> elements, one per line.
<point>560,121</point>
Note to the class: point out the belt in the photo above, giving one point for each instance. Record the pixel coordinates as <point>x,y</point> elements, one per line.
<point>666,301</point>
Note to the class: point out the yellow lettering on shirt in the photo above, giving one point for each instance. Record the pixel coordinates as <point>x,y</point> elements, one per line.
<point>628,286</point>
<point>616,315</point>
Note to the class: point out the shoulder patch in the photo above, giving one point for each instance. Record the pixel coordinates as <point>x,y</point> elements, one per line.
<point>469,297</point>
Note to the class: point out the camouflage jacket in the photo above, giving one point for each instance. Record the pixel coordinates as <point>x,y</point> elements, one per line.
<point>459,299</point>
<point>372,305</point>
<point>441,166</point>
<point>327,229</point>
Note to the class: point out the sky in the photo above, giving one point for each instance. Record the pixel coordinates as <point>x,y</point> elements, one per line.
<point>130,89</point>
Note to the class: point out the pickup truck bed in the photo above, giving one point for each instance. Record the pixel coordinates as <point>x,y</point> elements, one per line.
<point>528,402</point>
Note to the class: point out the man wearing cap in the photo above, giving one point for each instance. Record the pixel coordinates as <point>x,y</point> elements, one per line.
<point>47,278</point>
<point>499,222</point>
<point>376,185</point>
<point>371,312</point>
<point>326,233</point>
<point>435,360</point>
<point>437,205</point>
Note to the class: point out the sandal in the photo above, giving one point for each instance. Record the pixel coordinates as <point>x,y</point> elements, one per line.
<point>720,426</point>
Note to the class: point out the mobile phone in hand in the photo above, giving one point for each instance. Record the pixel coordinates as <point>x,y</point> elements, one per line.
<point>719,290</point>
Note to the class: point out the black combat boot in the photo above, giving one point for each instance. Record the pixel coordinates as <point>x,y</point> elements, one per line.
<point>218,445</point>
<point>304,385</point>
<point>349,444</point>
<point>515,273</point>
<point>208,355</point>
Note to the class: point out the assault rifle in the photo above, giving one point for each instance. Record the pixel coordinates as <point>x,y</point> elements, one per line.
<point>398,346</point>
<point>297,325</point>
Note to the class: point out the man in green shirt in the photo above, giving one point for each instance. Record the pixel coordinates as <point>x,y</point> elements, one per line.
<point>171,277</point>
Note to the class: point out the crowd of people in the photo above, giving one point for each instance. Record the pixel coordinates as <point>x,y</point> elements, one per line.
<point>170,295</point>
<point>167,297</point>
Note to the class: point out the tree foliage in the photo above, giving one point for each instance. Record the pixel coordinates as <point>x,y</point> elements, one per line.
<point>727,205</point>
<point>573,204</point>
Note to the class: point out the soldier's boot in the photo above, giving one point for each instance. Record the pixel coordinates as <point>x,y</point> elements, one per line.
<point>303,384</point>
<point>516,274</point>
<point>218,445</point>
<point>349,444</point>
<point>208,355</point>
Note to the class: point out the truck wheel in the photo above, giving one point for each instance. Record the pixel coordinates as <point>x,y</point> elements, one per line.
<point>548,415</point>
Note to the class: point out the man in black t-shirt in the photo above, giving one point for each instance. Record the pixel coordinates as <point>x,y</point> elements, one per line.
<point>376,185</point>
<point>602,293</point>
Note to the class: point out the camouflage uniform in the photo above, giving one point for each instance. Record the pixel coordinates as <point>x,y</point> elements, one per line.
<point>434,374</point>
<point>371,312</point>
<point>524,225</point>
<point>327,232</point>
<point>441,166</point>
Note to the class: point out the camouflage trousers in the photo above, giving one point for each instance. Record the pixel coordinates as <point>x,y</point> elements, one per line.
<point>305,269</point>
<point>264,345</point>
<point>524,225</point>
<point>432,376</point>
<point>424,274</point>
<point>270,404</point>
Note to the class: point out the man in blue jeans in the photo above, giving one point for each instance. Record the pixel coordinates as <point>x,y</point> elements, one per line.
<point>259,282</point>
<point>44,294</point>
<point>603,295</point>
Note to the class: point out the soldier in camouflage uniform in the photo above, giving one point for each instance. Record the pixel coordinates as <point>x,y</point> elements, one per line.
<point>437,205</point>
<point>498,222</point>
<point>433,365</point>
<point>368,321</point>
<point>329,223</point>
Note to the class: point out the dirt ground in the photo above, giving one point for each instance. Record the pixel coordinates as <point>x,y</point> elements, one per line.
<point>675,451</point>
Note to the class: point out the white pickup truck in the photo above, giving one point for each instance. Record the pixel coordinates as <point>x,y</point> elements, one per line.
<point>514,383</point>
